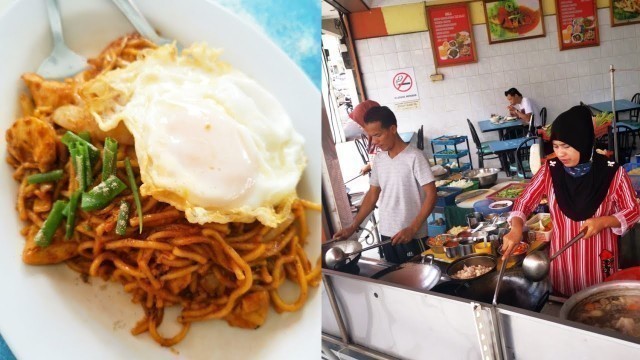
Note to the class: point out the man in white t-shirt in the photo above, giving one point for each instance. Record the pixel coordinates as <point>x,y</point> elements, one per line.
<point>403,186</point>
<point>522,108</point>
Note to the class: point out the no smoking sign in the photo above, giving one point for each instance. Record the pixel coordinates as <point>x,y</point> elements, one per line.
<point>402,82</point>
<point>404,85</point>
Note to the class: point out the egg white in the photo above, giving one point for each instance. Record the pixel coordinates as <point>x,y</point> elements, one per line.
<point>209,140</point>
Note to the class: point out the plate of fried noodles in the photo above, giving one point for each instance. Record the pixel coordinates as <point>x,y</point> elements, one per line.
<point>141,218</point>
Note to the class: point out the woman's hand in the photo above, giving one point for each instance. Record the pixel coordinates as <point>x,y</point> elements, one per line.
<point>595,225</point>
<point>509,242</point>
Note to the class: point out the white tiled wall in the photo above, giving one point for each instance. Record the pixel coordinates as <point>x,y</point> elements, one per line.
<point>552,78</point>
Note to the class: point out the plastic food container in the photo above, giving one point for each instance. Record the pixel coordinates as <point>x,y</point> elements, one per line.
<point>533,225</point>
<point>482,248</point>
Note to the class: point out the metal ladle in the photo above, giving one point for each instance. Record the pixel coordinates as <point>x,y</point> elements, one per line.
<point>335,256</point>
<point>536,265</point>
<point>500,275</point>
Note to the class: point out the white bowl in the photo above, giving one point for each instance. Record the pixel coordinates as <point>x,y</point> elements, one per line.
<point>50,305</point>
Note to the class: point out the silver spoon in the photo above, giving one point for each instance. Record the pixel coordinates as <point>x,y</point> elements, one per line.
<point>62,62</point>
<point>536,265</point>
<point>480,225</point>
<point>139,22</point>
<point>335,256</point>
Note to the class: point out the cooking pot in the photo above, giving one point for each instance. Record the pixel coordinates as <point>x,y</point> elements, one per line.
<point>515,290</point>
<point>599,291</point>
<point>421,276</point>
<point>348,246</point>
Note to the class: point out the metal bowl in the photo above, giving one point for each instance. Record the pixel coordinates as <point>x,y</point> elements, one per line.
<point>517,258</point>
<point>436,243</point>
<point>491,229</point>
<point>486,176</point>
<point>470,260</point>
<point>451,249</point>
<point>443,175</point>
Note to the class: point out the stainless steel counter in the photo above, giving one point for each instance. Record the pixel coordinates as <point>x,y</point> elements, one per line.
<point>383,321</point>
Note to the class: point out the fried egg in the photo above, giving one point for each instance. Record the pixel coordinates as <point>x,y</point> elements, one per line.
<point>209,140</point>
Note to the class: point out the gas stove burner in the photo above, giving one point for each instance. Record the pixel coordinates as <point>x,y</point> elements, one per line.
<point>353,270</point>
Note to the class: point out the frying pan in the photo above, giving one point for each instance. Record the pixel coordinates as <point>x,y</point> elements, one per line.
<point>417,275</point>
<point>515,290</point>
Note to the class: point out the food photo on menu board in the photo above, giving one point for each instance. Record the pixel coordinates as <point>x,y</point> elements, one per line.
<point>509,20</point>
<point>451,34</point>
<point>577,23</point>
<point>625,12</point>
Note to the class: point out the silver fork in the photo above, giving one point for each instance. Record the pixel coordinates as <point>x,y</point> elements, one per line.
<point>141,24</point>
<point>62,62</point>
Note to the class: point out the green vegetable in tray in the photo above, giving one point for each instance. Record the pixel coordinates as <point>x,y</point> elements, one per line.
<point>447,152</point>
<point>510,193</point>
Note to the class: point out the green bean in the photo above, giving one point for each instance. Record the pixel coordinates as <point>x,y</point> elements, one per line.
<point>78,165</point>
<point>50,176</point>
<point>134,189</point>
<point>85,135</point>
<point>71,213</point>
<point>45,234</point>
<point>123,218</point>
<point>109,155</point>
<point>101,195</point>
<point>86,159</point>
<point>69,138</point>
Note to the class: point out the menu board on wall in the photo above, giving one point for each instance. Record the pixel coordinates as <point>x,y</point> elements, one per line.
<point>577,23</point>
<point>451,34</point>
<point>509,20</point>
<point>624,12</point>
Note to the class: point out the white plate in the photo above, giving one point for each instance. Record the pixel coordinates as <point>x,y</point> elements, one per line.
<point>500,205</point>
<point>48,312</point>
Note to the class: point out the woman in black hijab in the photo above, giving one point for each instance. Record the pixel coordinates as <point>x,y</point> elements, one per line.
<point>585,190</point>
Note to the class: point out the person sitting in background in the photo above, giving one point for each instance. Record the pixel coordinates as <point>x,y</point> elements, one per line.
<point>357,115</point>
<point>522,108</point>
<point>402,180</point>
<point>585,191</point>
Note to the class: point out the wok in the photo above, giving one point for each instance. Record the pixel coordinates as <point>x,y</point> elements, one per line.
<point>348,246</point>
<point>515,290</point>
<point>335,256</point>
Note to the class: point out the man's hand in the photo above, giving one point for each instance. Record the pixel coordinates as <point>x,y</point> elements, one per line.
<point>344,233</point>
<point>365,169</point>
<point>509,241</point>
<point>403,236</point>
